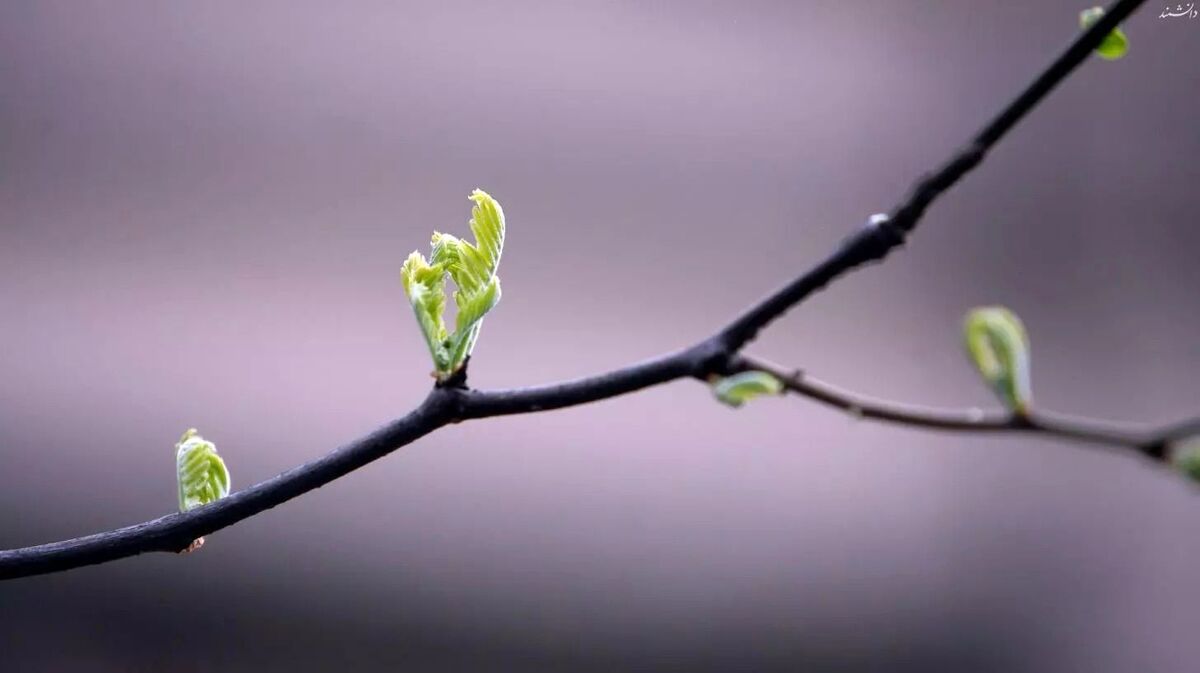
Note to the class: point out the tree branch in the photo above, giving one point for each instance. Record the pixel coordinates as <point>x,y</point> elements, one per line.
<point>717,354</point>
<point>693,361</point>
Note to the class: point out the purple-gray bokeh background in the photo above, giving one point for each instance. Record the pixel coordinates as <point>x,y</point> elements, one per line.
<point>204,207</point>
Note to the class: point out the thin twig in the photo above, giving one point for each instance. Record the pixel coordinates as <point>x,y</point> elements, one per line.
<point>1084,430</point>
<point>451,403</point>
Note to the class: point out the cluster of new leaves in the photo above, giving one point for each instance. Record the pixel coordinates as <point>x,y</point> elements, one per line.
<point>202,475</point>
<point>472,267</point>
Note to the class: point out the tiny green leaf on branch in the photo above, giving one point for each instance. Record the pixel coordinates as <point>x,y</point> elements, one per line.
<point>1114,45</point>
<point>1184,456</point>
<point>997,345</point>
<point>201,473</point>
<point>739,388</point>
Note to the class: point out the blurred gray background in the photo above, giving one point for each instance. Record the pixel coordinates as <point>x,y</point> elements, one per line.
<point>203,211</point>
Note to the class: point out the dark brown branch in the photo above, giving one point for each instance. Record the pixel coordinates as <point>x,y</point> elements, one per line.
<point>451,403</point>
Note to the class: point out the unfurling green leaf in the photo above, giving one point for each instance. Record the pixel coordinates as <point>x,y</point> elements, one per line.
<point>1185,457</point>
<point>203,477</point>
<point>1115,44</point>
<point>997,344</point>
<point>737,389</point>
<point>472,267</point>
<point>425,286</point>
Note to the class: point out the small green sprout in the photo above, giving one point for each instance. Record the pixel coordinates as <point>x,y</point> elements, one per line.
<point>472,267</point>
<point>1114,45</point>
<point>736,390</point>
<point>203,477</point>
<point>1185,458</point>
<point>997,345</point>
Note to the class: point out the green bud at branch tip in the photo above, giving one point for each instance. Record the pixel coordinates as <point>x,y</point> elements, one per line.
<point>1184,456</point>
<point>998,347</point>
<point>201,473</point>
<point>1114,45</point>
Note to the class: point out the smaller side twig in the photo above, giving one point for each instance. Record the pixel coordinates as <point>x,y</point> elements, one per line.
<point>1149,442</point>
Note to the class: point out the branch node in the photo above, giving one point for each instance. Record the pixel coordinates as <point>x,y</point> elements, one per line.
<point>457,380</point>
<point>1023,421</point>
<point>1156,449</point>
<point>873,241</point>
<point>712,357</point>
<point>194,546</point>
